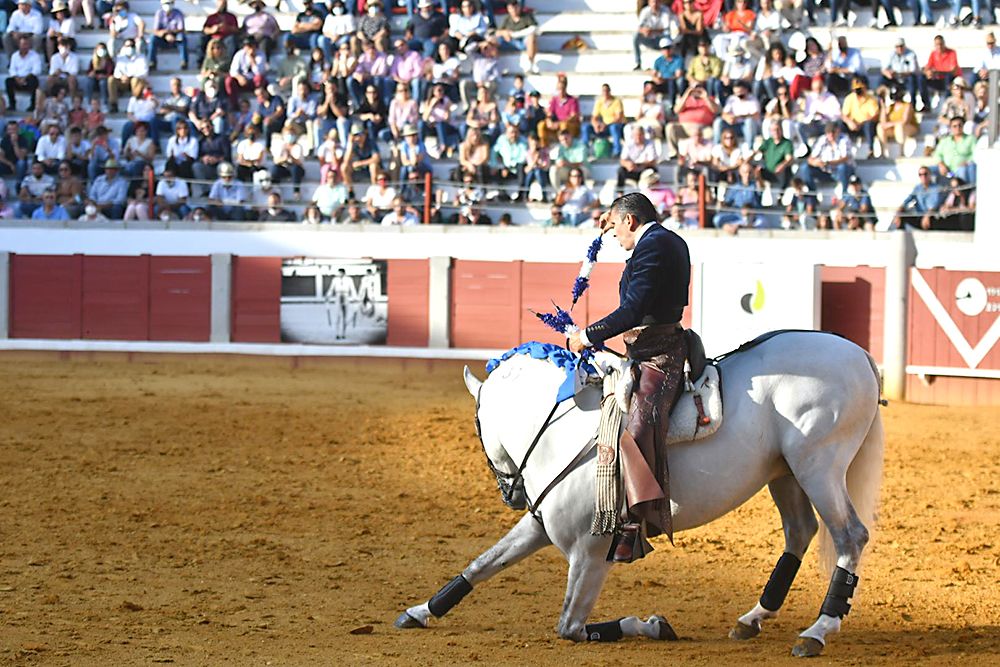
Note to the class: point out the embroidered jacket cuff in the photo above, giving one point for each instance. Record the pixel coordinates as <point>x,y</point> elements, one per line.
<point>583,338</point>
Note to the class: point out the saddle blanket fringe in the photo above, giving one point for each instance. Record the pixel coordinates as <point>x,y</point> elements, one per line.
<point>606,483</point>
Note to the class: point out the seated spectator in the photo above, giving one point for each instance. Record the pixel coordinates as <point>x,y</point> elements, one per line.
<point>359,157</point>
<point>312,216</point>
<point>956,105</point>
<point>329,154</point>
<point>109,191</point>
<point>338,28</point>
<point>741,204</point>
<point>519,32</point>
<point>64,66</point>
<point>53,111</point>
<point>509,157</point>
<point>657,25</point>
<point>766,33</point>
<point>556,218</point>
<point>801,207</point>
<point>568,154</point>
<point>354,214</point>
<point>442,70</point>
<point>77,152</point>
<point>727,157</point>
<point>141,108</point>
<point>794,77</point>
<point>32,187</point>
<point>576,199</point>
<point>290,71</point>
<point>829,160</point>
<point>373,27</point>
<point>227,199</point>
<point>989,59</point>
<point>698,155</point>
<point>607,120</point>
<point>920,208</point>
<point>168,33</point>
<point>901,71</point>
<point>705,69</point>
<point>138,152</point>
<point>174,108</point>
<point>981,109</point>
<point>690,28</point>
<point>307,28</point>
<point>403,112</point>
<point>898,123</point>
<point>330,196</point>
<point>776,156</point>
<point>215,64</point>
<point>843,64</point>
<point>485,73</point>
<point>736,67</point>
<point>401,214</point>
<point>813,61</point>
<point>288,157</point>
<point>102,149</point>
<point>638,155</point>
<point>652,115</point>
<point>468,27</point>
<point>250,155</point>
<point>405,69</point>
<point>564,110</point>
<point>662,198</point>
<point>91,213</point>
<point>269,113</point>
<point>737,25</point>
<point>51,149</point>
<point>695,110</point>
<point>172,195</point>
<point>125,25</point>
<point>61,27</point>
<point>688,200</point>
<point>263,27</point>
<point>473,156</point>
<point>741,114</point>
<point>77,114</point>
<point>129,74</point>
<point>958,212</point>
<point>819,109</point>
<point>471,215</point>
<point>247,72</point>
<point>436,119</point>
<point>668,74</point>
<point>214,149</point>
<point>768,73</point>
<point>99,70</point>
<point>302,108</point>
<point>781,110</point>
<point>200,214</point>
<point>955,153</point>
<point>371,70</point>
<point>427,28</point>
<point>275,212</point>
<point>860,113</point>
<point>379,196</point>
<point>23,70</point>
<point>536,170</point>
<point>940,70</point>
<point>13,152</point>
<point>28,23</point>
<point>852,210</point>
<point>49,209</point>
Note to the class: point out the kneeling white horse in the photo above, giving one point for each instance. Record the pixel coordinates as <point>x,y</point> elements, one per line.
<point>802,417</point>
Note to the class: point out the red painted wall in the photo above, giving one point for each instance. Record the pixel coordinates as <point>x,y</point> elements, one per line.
<point>541,283</point>
<point>486,304</point>
<point>180,298</point>
<point>45,296</point>
<point>409,302</point>
<point>944,390</point>
<point>854,305</point>
<point>256,294</point>
<point>115,298</point>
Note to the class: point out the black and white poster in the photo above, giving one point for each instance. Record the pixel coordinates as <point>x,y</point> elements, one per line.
<point>334,301</point>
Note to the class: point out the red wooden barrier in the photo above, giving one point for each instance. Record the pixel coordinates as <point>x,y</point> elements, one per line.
<point>541,284</point>
<point>180,298</point>
<point>409,299</point>
<point>486,304</point>
<point>854,305</point>
<point>45,296</point>
<point>256,294</point>
<point>115,298</point>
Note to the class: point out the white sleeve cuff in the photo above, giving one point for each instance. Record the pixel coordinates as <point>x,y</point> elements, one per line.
<point>584,339</point>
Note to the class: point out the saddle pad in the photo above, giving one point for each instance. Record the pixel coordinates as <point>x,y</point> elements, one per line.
<point>684,426</point>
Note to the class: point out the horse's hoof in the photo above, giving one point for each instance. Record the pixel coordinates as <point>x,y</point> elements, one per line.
<point>407,622</point>
<point>664,631</point>
<point>743,631</point>
<point>807,647</point>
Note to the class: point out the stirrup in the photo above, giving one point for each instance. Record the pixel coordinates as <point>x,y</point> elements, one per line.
<point>626,543</point>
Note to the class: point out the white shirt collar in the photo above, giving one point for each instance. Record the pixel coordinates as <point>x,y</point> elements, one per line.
<point>642,230</point>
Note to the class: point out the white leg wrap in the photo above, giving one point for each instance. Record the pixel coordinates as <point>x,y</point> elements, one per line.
<point>821,628</point>
<point>756,615</point>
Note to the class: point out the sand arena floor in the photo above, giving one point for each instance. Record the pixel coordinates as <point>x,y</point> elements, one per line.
<point>253,512</point>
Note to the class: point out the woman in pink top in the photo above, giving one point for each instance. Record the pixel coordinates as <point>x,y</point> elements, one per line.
<point>403,111</point>
<point>563,113</point>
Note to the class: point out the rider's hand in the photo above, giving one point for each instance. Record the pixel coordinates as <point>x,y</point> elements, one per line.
<point>575,344</point>
<point>605,221</point>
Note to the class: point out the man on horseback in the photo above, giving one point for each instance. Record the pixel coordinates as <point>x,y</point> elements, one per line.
<point>653,292</point>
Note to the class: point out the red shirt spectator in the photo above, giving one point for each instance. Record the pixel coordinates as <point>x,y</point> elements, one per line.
<point>943,62</point>
<point>740,19</point>
<point>699,110</point>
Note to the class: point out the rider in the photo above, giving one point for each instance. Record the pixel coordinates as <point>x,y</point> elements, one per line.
<point>653,293</point>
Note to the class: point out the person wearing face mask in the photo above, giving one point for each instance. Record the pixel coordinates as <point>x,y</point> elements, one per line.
<point>247,71</point>
<point>99,71</point>
<point>129,74</point>
<point>63,69</point>
<point>227,197</point>
<point>288,155</point>
<point>275,212</point>
<point>91,214</point>
<point>338,26</point>
<point>209,108</point>
<point>25,22</point>
<point>373,27</point>
<point>61,26</point>
<point>428,27</point>
<point>172,194</point>
<point>168,33</point>
<point>125,25</point>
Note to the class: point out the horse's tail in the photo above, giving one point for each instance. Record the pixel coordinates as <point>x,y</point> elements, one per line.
<point>864,479</point>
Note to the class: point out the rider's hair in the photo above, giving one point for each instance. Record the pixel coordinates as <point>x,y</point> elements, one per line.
<point>637,204</point>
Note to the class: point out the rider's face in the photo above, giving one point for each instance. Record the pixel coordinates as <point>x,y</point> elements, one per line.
<point>624,230</point>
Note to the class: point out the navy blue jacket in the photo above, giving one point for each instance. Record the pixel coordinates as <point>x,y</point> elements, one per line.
<point>653,288</point>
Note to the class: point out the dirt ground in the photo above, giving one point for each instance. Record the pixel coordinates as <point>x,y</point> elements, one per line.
<point>254,512</point>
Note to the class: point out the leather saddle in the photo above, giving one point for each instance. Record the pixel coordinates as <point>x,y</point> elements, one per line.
<point>697,413</point>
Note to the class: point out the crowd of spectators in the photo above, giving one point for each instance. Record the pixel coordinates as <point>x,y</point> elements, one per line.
<point>735,94</point>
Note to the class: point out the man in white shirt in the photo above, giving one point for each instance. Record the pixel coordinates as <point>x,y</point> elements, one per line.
<point>400,214</point>
<point>51,149</point>
<point>741,113</point>
<point>638,155</point>
<point>830,159</point>
<point>901,69</point>
<point>23,72</point>
<point>338,26</point>
<point>819,108</point>
<point>129,74</point>
<point>25,22</point>
<point>63,69</point>
<point>172,194</point>
<point>656,23</point>
<point>990,59</point>
<point>125,25</point>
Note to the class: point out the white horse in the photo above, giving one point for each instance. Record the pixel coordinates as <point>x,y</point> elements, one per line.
<point>801,416</point>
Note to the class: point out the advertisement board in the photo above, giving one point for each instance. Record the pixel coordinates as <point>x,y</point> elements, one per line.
<point>334,301</point>
<point>734,303</point>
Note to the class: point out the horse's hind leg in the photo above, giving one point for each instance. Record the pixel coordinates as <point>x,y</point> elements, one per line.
<point>799,524</point>
<point>524,539</point>
<point>828,493</point>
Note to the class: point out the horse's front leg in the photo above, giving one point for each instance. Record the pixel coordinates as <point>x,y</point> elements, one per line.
<point>524,539</point>
<point>588,568</point>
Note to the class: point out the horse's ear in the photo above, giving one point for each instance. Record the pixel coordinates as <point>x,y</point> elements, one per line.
<point>472,383</point>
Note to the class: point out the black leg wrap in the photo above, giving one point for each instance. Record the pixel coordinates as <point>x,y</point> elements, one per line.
<point>609,631</point>
<point>449,596</point>
<point>781,580</point>
<point>842,586</point>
